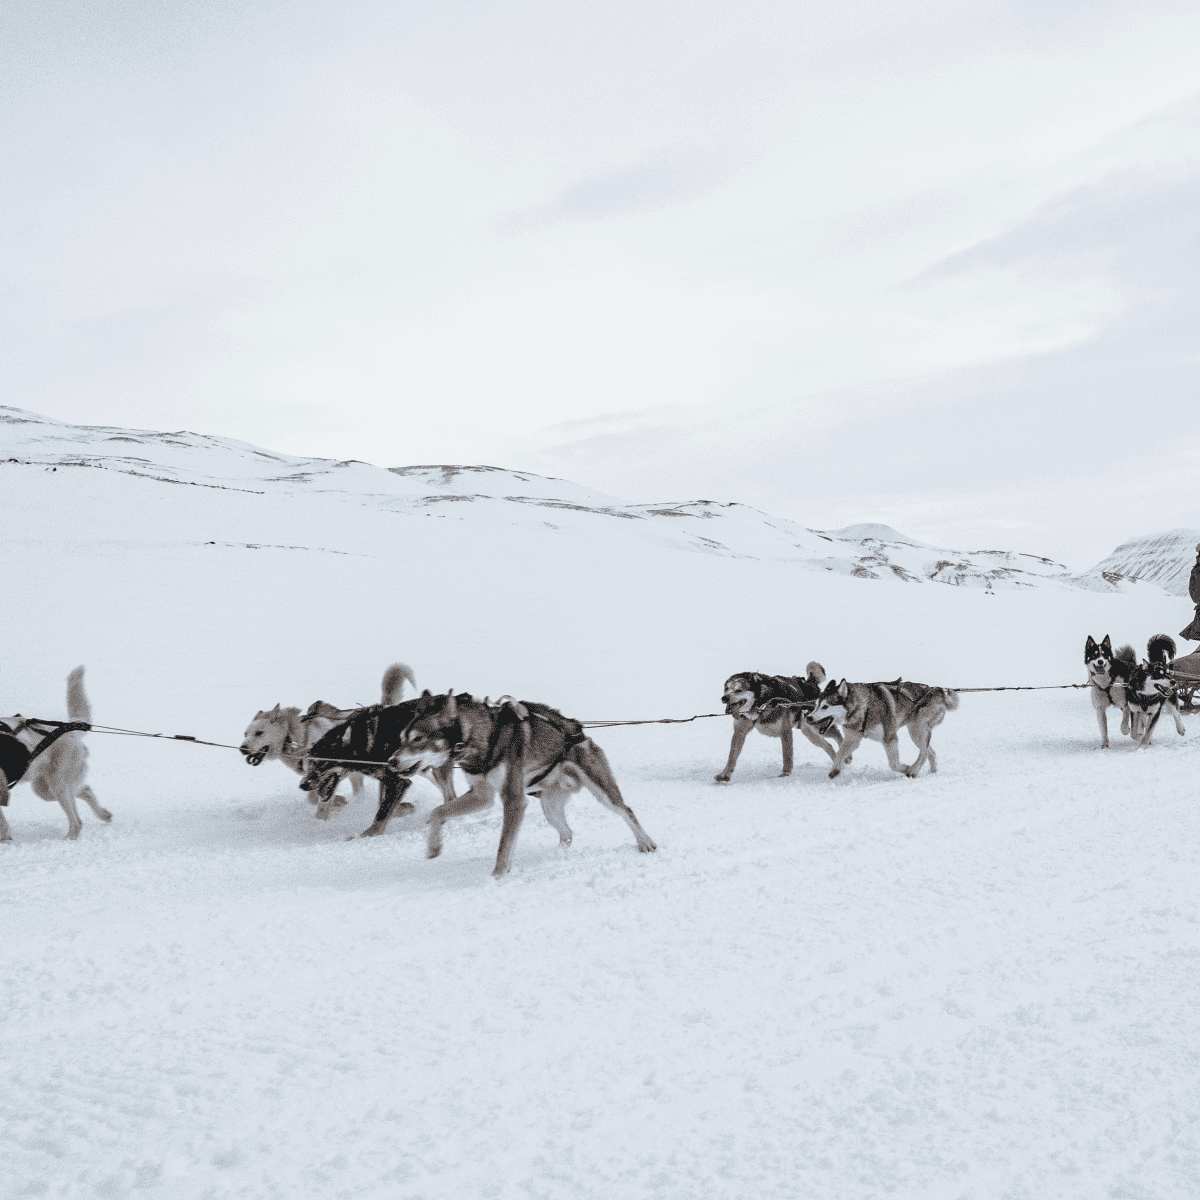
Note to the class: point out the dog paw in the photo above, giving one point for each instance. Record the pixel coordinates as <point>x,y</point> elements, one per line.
<point>721,778</point>
<point>835,772</point>
<point>784,774</point>
<point>104,815</point>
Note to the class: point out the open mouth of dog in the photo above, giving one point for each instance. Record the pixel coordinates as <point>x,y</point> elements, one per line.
<point>255,758</point>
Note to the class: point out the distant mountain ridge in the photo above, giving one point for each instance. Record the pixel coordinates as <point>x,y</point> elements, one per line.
<point>286,493</point>
<point>1164,559</point>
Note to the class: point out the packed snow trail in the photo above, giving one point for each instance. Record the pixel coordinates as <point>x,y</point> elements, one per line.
<point>976,984</point>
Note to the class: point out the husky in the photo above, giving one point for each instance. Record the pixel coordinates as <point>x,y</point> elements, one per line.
<point>763,702</point>
<point>879,711</point>
<point>283,734</point>
<point>364,742</point>
<point>1109,673</point>
<point>59,772</point>
<point>1150,687</point>
<point>532,747</point>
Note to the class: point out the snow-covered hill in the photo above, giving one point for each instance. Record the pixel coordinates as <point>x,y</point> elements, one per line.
<point>1164,559</point>
<point>316,494</point>
<point>979,983</point>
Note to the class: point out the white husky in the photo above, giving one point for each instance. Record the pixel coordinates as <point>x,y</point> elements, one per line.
<point>287,735</point>
<point>59,773</point>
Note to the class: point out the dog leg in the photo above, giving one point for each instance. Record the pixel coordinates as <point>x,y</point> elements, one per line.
<point>1150,728</point>
<point>75,825</point>
<point>850,742</point>
<point>817,740</point>
<point>554,803</point>
<point>741,728</point>
<point>444,778</point>
<point>87,794</point>
<point>1179,729</point>
<point>391,790</point>
<point>1101,707</point>
<point>5,836</point>
<point>356,785</point>
<point>892,750</point>
<point>598,779</point>
<point>921,736</point>
<point>479,797</point>
<point>512,795</point>
<point>785,736</point>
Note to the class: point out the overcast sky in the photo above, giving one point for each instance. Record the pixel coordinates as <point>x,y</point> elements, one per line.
<point>932,263</point>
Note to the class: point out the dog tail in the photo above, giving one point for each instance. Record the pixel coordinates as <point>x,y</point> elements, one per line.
<point>1160,648</point>
<point>393,683</point>
<point>816,673</point>
<point>1126,655</point>
<point>78,708</point>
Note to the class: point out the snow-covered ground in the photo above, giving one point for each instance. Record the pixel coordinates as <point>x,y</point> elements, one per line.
<point>978,984</point>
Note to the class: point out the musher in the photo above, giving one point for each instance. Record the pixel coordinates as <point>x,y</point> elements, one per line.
<point>1192,632</point>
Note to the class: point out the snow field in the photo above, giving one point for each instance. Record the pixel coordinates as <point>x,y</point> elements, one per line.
<point>978,984</point>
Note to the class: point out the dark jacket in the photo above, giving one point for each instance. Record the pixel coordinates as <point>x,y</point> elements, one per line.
<point>1192,631</point>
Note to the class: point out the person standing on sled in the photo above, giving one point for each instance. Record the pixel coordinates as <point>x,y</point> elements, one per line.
<point>1192,632</point>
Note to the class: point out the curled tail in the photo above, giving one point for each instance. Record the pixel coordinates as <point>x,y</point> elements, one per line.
<point>393,683</point>
<point>1160,648</point>
<point>816,673</point>
<point>1126,655</point>
<point>78,708</point>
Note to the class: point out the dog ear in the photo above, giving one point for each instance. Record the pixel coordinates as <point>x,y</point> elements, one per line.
<point>451,709</point>
<point>1106,646</point>
<point>1090,648</point>
<point>843,689</point>
<point>275,711</point>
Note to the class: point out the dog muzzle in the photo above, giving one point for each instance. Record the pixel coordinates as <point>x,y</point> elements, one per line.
<point>255,758</point>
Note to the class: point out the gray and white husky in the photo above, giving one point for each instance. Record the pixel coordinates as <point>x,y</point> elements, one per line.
<point>287,735</point>
<point>879,711</point>
<point>59,773</point>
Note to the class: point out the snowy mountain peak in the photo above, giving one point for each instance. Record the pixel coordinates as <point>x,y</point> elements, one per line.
<point>874,531</point>
<point>1164,559</point>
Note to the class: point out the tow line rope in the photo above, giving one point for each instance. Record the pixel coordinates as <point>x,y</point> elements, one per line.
<point>87,727</point>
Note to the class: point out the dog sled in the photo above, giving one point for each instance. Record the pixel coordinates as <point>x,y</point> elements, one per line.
<point>1185,672</point>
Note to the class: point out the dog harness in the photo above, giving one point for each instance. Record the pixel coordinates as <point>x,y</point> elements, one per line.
<point>14,760</point>
<point>15,756</point>
<point>510,720</point>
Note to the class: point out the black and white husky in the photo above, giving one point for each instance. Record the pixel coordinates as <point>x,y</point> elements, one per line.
<point>1109,675</point>
<point>1151,690</point>
<point>1141,691</point>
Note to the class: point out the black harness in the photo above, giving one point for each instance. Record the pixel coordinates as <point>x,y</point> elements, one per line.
<point>15,756</point>
<point>509,722</point>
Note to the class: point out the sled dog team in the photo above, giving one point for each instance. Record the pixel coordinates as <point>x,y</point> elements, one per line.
<point>522,749</point>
